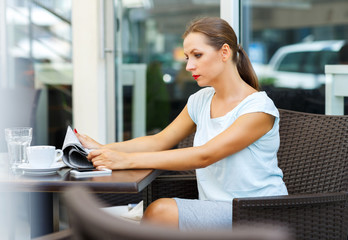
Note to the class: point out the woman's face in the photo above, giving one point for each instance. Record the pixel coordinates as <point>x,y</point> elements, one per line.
<point>203,61</point>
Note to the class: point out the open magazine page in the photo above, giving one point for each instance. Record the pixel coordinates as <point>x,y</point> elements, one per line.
<point>71,139</point>
<point>74,153</point>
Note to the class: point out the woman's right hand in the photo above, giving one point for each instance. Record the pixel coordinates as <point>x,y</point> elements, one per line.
<point>87,141</point>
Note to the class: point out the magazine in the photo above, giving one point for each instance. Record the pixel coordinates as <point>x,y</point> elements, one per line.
<point>74,154</point>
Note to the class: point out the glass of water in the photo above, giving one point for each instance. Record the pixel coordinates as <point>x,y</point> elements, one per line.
<point>18,139</point>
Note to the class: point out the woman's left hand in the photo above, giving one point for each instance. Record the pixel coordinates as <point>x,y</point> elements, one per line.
<point>107,158</point>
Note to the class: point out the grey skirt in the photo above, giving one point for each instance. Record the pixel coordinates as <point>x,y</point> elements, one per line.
<point>204,214</point>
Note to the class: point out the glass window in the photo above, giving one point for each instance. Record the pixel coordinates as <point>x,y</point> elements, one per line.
<point>152,34</point>
<point>289,43</point>
<point>327,57</point>
<point>292,62</point>
<point>38,57</point>
<point>310,64</point>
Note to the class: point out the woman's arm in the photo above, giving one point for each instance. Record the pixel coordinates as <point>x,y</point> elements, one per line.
<point>180,128</point>
<point>243,132</point>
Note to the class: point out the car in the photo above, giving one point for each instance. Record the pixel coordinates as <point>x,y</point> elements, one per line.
<point>301,65</point>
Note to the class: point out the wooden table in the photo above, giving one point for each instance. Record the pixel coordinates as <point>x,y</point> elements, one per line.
<point>125,181</point>
<point>43,191</point>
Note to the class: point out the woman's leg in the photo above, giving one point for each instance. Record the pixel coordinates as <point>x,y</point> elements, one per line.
<point>193,214</point>
<point>203,214</point>
<point>163,211</point>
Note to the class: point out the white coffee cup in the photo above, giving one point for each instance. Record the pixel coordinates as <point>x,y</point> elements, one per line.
<point>43,156</point>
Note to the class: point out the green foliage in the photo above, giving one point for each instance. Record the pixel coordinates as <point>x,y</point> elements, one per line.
<point>267,81</point>
<point>157,98</point>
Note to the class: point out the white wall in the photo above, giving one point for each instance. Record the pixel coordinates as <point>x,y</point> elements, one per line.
<point>229,11</point>
<point>89,87</point>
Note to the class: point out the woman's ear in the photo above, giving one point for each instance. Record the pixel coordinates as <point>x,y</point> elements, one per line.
<point>225,52</point>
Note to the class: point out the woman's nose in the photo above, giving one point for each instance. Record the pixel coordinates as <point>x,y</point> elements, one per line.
<point>189,66</point>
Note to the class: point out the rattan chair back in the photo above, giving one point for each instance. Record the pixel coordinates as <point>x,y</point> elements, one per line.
<point>313,152</point>
<point>187,142</point>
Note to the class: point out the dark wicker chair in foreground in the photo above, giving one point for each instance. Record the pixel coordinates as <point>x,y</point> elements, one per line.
<point>313,155</point>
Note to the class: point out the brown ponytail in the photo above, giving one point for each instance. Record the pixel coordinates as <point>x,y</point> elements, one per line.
<point>245,69</point>
<point>219,32</point>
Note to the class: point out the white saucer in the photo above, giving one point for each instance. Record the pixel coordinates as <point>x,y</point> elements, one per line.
<point>41,171</point>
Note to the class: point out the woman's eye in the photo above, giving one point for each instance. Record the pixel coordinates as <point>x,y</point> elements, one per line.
<point>198,55</point>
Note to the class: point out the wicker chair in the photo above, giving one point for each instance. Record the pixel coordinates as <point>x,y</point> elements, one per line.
<point>313,155</point>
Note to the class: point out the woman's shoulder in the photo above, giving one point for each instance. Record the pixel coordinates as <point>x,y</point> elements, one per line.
<point>261,96</point>
<point>205,91</point>
<point>258,102</point>
<point>202,94</point>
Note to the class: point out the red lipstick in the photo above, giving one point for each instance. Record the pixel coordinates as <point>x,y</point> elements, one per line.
<point>196,76</point>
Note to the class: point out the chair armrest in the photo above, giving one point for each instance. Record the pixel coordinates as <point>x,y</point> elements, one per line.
<point>308,216</point>
<point>61,235</point>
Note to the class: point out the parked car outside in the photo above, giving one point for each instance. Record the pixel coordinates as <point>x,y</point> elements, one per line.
<point>300,66</point>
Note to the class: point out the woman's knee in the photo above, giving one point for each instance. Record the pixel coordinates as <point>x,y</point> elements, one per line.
<point>162,211</point>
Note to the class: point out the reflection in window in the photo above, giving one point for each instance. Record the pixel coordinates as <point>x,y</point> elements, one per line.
<point>327,57</point>
<point>292,62</point>
<point>297,81</point>
<point>311,63</point>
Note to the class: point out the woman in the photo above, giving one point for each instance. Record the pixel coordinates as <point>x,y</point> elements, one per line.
<point>236,135</point>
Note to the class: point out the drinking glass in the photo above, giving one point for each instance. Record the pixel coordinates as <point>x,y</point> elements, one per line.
<point>18,139</point>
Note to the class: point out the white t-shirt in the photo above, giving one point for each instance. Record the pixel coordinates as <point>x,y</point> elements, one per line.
<point>250,172</point>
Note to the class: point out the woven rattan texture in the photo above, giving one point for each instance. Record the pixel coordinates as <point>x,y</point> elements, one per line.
<point>313,152</point>
<point>114,199</point>
<point>174,186</point>
<point>324,217</point>
<point>187,142</point>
